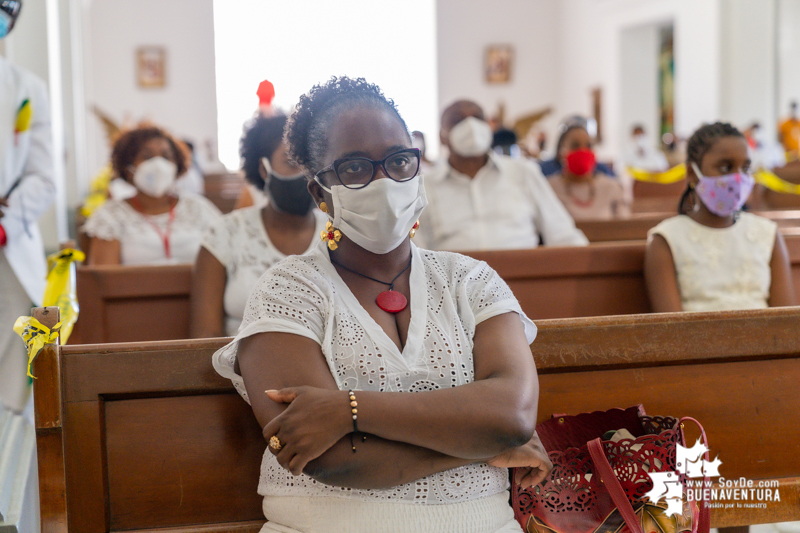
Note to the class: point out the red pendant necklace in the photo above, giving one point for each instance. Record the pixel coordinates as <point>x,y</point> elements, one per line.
<point>390,300</point>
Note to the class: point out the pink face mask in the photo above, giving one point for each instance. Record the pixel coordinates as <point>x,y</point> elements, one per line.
<point>724,195</point>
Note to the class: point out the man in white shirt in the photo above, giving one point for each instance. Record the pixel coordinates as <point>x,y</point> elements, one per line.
<point>478,200</point>
<point>641,154</point>
<point>27,188</point>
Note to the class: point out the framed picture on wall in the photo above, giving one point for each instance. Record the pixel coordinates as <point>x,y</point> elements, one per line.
<point>151,66</point>
<point>498,63</point>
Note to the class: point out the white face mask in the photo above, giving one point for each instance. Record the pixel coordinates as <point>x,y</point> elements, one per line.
<point>471,137</point>
<point>378,217</point>
<point>155,176</point>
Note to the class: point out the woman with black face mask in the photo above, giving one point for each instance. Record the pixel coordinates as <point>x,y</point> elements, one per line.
<point>246,242</point>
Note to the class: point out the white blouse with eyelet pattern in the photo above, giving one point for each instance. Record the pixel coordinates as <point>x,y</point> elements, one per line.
<point>450,295</point>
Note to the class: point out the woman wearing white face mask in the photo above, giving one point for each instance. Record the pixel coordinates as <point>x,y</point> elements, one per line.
<point>154,226</point>
<point>412,385</point>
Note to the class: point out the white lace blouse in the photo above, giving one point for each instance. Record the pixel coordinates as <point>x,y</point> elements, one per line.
<point>240,242</point>
<point>721,269</point>
<point>450,295</point>
<point>141,243</point>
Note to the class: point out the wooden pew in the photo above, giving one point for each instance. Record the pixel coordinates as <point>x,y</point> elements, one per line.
<point>132,303</point>
<point>636,227</point>
<point>146,303</point>
<point>142,436</point>
<point>736,372</point>
<point>651,197</point>
<point>223,189</point>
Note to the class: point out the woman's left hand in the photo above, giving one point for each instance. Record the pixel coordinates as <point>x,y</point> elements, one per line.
<point>315,420</point>
<point>531,461</point>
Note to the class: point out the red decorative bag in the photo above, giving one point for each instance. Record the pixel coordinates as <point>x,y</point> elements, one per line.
<point>601,486</point>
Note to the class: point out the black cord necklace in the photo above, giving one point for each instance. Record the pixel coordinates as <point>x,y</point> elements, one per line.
<point>389,300</point>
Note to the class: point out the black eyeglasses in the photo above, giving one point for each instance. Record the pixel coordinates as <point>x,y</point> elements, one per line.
<point>358,172</point>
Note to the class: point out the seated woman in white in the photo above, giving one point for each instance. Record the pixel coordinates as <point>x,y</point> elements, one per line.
<point>154,226</point>
<point>243,244</point>
<point>586,193</point>
<point>433,346</point>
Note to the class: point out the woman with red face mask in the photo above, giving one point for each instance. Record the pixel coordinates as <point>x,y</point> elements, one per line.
<point>587,194</point>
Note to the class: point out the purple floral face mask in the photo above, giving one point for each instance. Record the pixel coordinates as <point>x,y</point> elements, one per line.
<point>724,195</point>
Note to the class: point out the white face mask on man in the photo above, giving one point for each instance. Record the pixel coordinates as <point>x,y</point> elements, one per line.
<point>471,137</point>
<point>379,216</point>
<point>155,176</point>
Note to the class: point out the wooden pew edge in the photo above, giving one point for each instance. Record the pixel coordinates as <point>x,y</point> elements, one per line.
<point>663,318</point>
<point>165,345</point>
<point>48,412</point>
<point>253,526</point>
<point>787,510</point>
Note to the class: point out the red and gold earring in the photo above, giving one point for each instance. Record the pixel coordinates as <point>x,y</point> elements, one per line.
<point>330,234</point>
<point>414,229</point>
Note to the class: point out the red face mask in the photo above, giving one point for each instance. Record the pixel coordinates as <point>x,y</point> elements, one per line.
<point>581,162</point>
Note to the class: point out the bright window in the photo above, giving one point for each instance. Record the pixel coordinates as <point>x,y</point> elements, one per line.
<point>296,44</point>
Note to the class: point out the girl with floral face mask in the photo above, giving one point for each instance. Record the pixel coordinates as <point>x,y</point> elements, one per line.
<point>152,225</point>
<point>587,194</point>
<point>713,256</point>
<point>403,409</point>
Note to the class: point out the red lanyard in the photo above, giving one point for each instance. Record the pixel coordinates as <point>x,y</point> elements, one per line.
<point>165,236</point>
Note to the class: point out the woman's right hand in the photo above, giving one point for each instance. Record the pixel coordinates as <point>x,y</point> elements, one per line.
<point>315,420</point>
<point>531,461</point>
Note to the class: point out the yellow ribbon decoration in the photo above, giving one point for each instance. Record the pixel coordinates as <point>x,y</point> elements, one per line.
<point>60,288</point>
<point>769,180</point>
<point>36,335</point>
<point>764,177</point>
<point>675,174</point>
<point>98,191</point>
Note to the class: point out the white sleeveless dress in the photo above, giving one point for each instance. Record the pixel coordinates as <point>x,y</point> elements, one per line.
<point>450,295</point>
<point>240,242</point>
<point>721,269</point>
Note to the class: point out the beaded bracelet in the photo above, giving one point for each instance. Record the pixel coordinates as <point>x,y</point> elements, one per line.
<point>354,411</point>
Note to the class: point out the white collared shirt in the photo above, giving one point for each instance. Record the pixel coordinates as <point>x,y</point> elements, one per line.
<point>507,205</point>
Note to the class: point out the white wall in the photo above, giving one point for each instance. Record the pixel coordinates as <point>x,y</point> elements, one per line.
<point>187,105</point>
<point>592,55</point>
<point>788,53</point>
<point>639,83</point>
<point>465,29</point>
<point>749,62</point>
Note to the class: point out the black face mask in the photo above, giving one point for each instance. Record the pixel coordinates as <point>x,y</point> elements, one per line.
<point>290,195</point>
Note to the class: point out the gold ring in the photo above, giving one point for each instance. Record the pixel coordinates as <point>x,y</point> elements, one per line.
<point>275,443</point>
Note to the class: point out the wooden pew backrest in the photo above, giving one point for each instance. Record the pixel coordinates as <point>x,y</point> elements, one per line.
<point>153,438</point>
<point>635,227</point>
<point>132,303</point>
<point>147,303</point>
<point>596,280</point>
<point>223,190</point>
<point>735,372</point>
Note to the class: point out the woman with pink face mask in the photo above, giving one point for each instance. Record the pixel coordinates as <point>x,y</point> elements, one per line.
<point>712,256</point>
<point>587,194</point>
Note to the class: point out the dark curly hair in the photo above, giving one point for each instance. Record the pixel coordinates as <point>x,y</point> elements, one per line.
<point>128,143</point>
<point>307,129</point>
<point>563,137</point>
<point>697,147</point>
<point>262,136</point>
